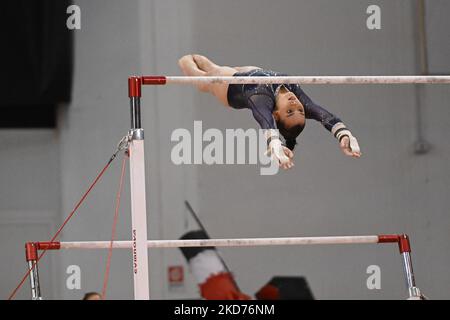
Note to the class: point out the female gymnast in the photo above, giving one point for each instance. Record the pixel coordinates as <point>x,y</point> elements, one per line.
<point>277,108</point>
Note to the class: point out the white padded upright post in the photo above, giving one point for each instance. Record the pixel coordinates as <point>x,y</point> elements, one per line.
<point>139,220</point>
<point>138,199</point>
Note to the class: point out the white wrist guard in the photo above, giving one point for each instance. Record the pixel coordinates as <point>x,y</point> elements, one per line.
<point>339,130</point>
<point>275,146</point>
<point>276,151</point>
<point>271,134</point>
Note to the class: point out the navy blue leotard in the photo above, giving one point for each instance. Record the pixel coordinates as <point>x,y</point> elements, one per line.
<point>260,99</point>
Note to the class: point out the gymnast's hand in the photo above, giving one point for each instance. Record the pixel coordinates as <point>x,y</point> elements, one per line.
<point>281,154</point>
<point>350,147</point>
<point>288,152</point>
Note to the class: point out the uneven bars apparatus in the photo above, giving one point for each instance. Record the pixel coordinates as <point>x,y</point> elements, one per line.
<point>402,241</point>
<point>139,242</point>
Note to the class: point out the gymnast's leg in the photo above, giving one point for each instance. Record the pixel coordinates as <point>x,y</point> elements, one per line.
<point>196,65</point>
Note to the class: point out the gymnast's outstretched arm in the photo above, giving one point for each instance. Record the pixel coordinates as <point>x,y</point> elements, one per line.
<point>347,142</point>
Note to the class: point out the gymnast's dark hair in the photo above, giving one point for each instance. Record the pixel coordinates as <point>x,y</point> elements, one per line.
<point>290,135</point>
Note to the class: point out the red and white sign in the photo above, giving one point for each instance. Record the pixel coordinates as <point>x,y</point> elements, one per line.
<point>175,275</point>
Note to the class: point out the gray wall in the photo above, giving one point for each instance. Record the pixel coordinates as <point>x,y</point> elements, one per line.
<point>29,203</point>
<point>388,190</point>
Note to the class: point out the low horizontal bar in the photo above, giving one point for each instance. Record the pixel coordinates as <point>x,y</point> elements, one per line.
<point>244,242</point>
<point>159,80</point>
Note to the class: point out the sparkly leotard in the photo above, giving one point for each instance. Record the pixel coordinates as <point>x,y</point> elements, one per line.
<point>260,99</point>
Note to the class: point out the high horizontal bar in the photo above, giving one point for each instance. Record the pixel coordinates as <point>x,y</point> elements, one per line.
<point>243,242</point>
<point>161,80</point>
